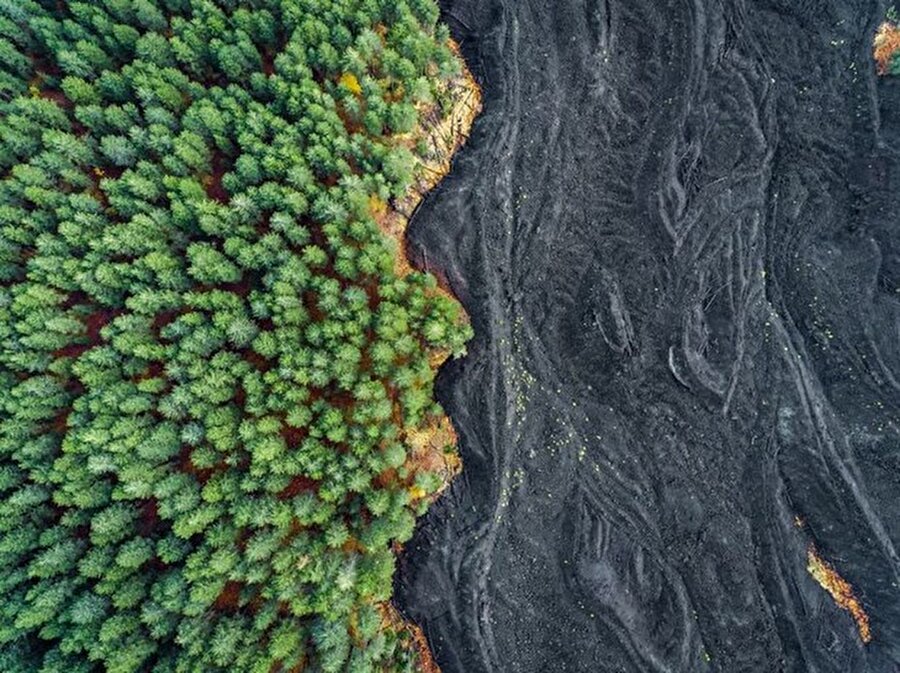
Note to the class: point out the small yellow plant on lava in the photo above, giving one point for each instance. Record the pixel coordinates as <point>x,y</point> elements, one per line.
<point>840,590</point>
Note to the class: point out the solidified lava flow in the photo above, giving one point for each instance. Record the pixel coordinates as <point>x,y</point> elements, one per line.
<point>675,229</point>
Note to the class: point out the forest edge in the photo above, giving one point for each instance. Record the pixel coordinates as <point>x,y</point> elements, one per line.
<point>433,448</point>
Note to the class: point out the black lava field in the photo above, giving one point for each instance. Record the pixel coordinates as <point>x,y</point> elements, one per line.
<point>675,228</point>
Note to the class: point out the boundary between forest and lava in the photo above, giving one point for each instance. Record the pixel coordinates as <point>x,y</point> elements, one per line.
<point>443,134</point>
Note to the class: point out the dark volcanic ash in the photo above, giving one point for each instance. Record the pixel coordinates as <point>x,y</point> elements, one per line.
<point>675,228</point>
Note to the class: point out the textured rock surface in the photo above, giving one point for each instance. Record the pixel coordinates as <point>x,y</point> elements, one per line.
<point>675,229</point>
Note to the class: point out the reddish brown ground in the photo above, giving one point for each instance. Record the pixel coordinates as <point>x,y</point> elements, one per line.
<point>60,423</point>
<point>149,517</point>
<point>186,465</point>
<point>255,359</point>
<point>229,599</point>
<point>268,62</point>
<point>164,318</point>
<point>293,436</point>
<point>298,485</point>
<point>154,370</point>
<point>93,323</point>
<point>241,287</point>
<point>57,97</point>
<point>213,182</point>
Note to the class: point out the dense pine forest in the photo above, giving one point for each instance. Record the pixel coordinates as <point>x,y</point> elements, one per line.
<point>210,365</point>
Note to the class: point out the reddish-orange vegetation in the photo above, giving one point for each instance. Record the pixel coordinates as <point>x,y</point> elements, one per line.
<point>840,590</point>
<point>394,621</point>
<point>427,663</point>
<point>886,44</point>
